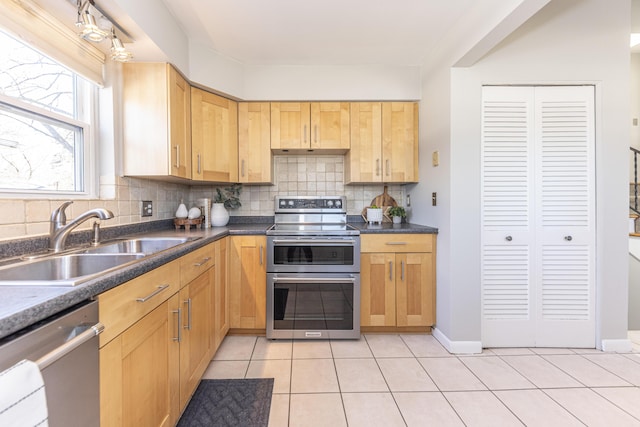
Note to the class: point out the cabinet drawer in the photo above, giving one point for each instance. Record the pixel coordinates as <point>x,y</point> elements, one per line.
<point>124,305</point>
<point>196,263</point>
<point>396,242</point>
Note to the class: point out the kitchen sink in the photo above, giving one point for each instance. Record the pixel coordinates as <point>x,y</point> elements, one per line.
<point>63,270</point>
<point>140,245</point>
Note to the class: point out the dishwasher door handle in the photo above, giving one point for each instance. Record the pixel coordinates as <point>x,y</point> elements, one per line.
<point>66,348</point>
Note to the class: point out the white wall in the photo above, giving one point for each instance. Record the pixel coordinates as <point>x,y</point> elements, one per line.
<point>574,41</point>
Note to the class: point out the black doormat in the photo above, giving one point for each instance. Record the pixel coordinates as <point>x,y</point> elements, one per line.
<point>229,403</point>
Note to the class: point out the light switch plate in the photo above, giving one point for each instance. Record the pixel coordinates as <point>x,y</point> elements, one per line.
<point>435,158</point>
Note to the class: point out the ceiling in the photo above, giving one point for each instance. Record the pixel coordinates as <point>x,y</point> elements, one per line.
<point>314,32</point>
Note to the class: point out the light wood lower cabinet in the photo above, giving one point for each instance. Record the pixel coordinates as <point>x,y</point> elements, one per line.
<point>397,280</point>
<point>161,331</point>
<point>139,372</point>
<point>247,282</point>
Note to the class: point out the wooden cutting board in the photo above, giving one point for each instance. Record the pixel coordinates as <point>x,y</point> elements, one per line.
<point>383,199</point>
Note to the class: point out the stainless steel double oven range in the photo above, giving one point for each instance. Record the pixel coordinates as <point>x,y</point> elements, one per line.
<point>313,270</point>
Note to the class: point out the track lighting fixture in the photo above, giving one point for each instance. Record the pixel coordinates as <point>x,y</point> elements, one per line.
<point>118,51</point>
<point>89,30</point>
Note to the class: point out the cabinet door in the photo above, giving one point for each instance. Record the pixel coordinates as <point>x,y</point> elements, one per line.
<point>254,142</point>
<point>400,141</point>
<point>290,125</point>
<point>248,282</point>
<point>179,124</point>
<point>330,126</point>
<point>196,344</point>
<point>415,297</point>
<point>215,137</point>
<point>363,162</point>
<point>221,295</point>
<point>377,291</point>
<point>139,372</point>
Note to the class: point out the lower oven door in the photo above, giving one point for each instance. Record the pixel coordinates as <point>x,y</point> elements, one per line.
<point>313,306</point>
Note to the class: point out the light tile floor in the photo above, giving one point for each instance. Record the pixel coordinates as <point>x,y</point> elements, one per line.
<point>411,380</point>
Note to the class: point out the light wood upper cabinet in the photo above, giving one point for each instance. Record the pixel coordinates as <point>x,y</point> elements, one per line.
<point>247,282</point>
<point>304,126</point>
<point>398,280</point>
<point>384,143</point>
<point>254,143</point>
<point>156,121</point>
<point>214,133</point>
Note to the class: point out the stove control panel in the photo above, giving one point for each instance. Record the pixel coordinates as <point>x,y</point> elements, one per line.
<point>310,203</point>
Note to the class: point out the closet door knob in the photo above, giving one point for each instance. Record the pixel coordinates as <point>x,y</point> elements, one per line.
<point>568,238</point>
<point>508,238</point>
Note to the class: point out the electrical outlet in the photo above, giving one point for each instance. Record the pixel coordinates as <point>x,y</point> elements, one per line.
<point>147,208</point>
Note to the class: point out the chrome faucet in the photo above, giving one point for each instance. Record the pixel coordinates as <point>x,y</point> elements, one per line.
<point>59,229</point>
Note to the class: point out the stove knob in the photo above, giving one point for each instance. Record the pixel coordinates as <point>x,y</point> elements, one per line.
<point>283,203</point>
<point>330,203</point>
<point>290,203</point>
<point>338,203</point>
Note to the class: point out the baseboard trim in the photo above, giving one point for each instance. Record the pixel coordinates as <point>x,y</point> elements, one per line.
<point>619,346</point>
<point>457,347</point>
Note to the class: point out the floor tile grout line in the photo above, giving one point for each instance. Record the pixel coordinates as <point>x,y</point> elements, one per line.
<point>614,403</point>
<point>561,405</point>
<point>595,364</point>
<point>607,369</point>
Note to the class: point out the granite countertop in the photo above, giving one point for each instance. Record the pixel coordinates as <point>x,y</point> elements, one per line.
<point>22,306</point>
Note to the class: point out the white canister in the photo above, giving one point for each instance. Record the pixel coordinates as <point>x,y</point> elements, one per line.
<point>205,208</point>
<point>374,215</point>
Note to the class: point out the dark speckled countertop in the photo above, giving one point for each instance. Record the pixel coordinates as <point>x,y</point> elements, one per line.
<point>22,306</point>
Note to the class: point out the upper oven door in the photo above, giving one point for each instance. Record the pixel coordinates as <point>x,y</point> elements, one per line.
<point>313,254</point>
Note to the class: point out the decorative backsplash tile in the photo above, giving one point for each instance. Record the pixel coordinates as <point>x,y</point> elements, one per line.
<point>293,175</point>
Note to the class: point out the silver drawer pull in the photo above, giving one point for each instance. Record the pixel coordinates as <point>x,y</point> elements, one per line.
<point>153,294</point>
<point>396,243</point>
<point>188,325</point>
<point>203,262</point>
<point>179,313</point>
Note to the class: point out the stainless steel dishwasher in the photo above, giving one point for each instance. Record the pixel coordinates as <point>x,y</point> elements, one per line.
<point>65,347</point>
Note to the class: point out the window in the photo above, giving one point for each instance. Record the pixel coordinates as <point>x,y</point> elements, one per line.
<point>44,130</point>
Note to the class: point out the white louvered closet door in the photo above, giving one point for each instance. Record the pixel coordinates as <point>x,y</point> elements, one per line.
<point>537,216</point>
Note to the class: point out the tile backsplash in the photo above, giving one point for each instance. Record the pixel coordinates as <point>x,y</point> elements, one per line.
<point>293,175</point>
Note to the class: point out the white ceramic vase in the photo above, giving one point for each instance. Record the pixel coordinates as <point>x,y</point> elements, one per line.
<point>219,215</point>
<point>397,219</point>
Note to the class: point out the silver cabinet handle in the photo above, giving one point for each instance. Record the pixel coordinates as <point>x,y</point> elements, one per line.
<point>402,271</point>
<point>203,262</point>
<point>242,168</point>
<point>387,166</point>
<point>179,313</point>
<point>199,165</point>
<point>177,156</point>
<point>260,254</point>
<point>305,134</point>
<point>315,133</point>
<point>508,238</point>
<point>568,238</point>
<point>377,167</point>
<point>396,243</point>
<point>390,270</point>
<point>188,325</point>
<point>152,294</point>
<point>59,352</point>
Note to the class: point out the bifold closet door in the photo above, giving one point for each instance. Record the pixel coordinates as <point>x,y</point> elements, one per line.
<point>538,204</point>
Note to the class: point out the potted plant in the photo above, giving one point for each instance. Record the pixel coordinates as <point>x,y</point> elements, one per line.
<point>397,213</point>
<point>227,198</point>
<point>374,214</point>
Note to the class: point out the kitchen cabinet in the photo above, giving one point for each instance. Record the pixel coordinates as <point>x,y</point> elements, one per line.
<point>139,371</point>
<point>248,282</point>
<point>384,143</point>
<point>304,126</point>
<point>254,143</point>
<point>214,133</point>
<point>159,338</point>
<point>397,281</point>
<point>221,294</point>
<point>156,104</point>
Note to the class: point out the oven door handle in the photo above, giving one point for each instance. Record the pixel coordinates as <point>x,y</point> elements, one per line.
<point>314,279</point>
<point>299,242</point>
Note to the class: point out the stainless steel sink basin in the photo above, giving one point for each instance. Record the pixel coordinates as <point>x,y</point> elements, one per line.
<point>63,270</point>
<point>140,245</point>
